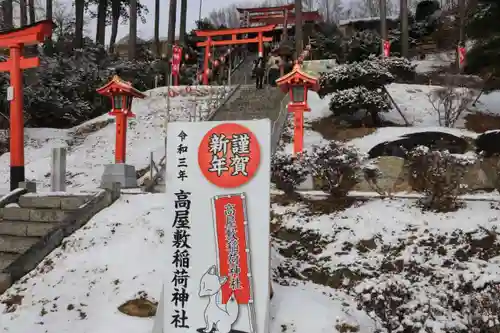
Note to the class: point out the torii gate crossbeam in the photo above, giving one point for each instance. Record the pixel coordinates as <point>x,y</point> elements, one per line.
<point>209,34</point>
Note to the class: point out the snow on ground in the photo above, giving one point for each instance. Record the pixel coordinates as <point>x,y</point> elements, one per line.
<point>433,62</point>
<point>413,101</point>
<point>86,159</point>
<point>79,286</point>
<point>390,244</point>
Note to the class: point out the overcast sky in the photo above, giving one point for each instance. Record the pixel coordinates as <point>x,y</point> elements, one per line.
<point>146,30</point>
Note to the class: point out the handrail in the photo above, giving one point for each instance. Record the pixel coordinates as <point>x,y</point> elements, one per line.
<point>279,124</point>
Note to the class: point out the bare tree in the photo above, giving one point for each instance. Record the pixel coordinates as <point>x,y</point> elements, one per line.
<point>370,8</point>
<point>330,9</point>
<point>450,103</point>
<point>227,16</point>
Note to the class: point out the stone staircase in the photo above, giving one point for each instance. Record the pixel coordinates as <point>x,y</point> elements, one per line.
<point>249,103</point>
<point>37,223</point>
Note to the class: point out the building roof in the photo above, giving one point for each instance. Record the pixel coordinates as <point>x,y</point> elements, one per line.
<point>124,40</point>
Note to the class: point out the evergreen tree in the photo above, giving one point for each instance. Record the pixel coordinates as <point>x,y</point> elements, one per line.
<point>484,30</point>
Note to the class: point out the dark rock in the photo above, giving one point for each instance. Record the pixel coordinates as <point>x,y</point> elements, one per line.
<point>408,142</point>
<point>487,143</point>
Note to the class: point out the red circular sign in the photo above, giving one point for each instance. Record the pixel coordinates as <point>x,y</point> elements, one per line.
<point>229,155</point>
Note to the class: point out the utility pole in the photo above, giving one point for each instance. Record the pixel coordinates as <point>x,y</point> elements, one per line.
<point>383,23</point>
<point>298,27</point>
<point>404,28</point>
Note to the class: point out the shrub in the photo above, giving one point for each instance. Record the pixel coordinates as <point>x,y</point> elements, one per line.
<point>402,69</point>
<point>439,175</point>
<point>336,166</point>
<point>350,101</point>
<point>368,74</point>
<point>288,171</point>
<point>411,304</point>
<point>61,92</point>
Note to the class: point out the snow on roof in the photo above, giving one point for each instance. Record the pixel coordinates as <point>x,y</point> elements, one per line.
<point>366,19</point>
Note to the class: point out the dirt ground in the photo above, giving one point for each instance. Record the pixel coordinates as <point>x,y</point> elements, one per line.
<point>332,129</point>
<point>480,122</point>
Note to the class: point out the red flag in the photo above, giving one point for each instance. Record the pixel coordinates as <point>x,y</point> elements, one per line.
<point>387,48</point>
<point>232,247</point>
<point>461,55</point>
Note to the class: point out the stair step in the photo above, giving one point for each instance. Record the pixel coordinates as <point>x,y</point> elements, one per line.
<point>63,202</point>
<point>15,244</point>
<point>6,259</point>
<point>23,228</point>
<point>34,214</point>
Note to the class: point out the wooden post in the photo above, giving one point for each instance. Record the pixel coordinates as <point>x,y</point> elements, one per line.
<point>261,45</point>
<point>121,138</point>
<point>298,135</point>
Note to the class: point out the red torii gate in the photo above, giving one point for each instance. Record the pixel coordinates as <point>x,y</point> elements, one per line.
<point>14,40</point>
<point>209,34</point>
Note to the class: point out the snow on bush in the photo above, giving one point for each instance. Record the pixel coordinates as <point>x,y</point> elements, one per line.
<point>288,171</point>
<point>439,175</point>
<point>352,100</point>
<point>61,92</point>
<point>420,299</point>
<point>369,74</point>
<point>335,165</point>
<point>401,69</point>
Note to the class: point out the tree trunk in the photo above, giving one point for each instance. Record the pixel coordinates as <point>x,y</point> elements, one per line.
<point>79,11</point>
<point>132,36</point>
<point>115,16</point>
<point>157,28</point>
<point>7,13</point>
<point>23,13</point>
<point>299,37</point>
<point>100,36</point>
<point>182,28</point>
<point>31,6</point>
<point>48,16</point>
<point>172,15</point>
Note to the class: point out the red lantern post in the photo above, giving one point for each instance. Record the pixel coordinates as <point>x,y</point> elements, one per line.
<point>121,93</point>
<point>297,83</point>
<point>15,40</point>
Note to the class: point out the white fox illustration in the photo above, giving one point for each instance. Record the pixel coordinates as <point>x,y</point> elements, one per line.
<point>215,315</point>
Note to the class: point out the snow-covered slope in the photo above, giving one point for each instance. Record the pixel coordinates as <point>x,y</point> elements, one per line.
<point>89,151</point>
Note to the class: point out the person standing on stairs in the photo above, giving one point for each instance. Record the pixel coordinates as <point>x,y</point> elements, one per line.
<point>260,71</point>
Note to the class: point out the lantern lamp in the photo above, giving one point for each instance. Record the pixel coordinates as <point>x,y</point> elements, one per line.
<point>299,93</point>
<point>297,83</point>
<point>121,94</point>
